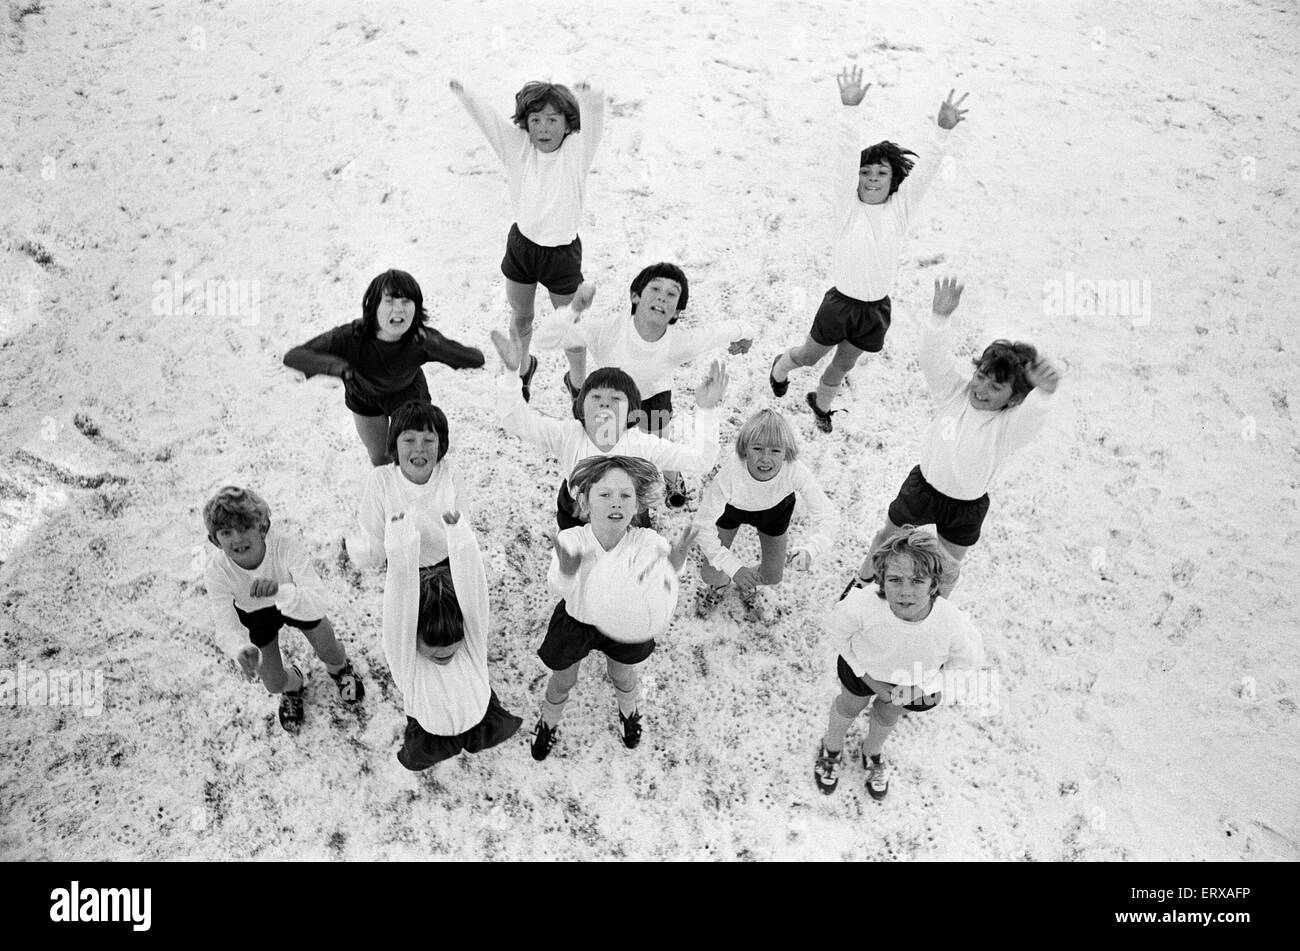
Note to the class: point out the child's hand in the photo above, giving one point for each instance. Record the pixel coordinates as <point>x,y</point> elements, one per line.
<point>684,544</point>
<point>947,295</point>
<point>456,87</point>
<point>506,350</point>
<point>709,393</point>
<point>800,559</point>
<point>949,112</point>
<point>851,89</point>
<point>249,659</point>
<point>1043,374</point>
<point>263,588</point>
<point>451,518</point>
<point>746,579</point>
<point>582,297</point>
<point>569,558</point>
<point>740,346</point>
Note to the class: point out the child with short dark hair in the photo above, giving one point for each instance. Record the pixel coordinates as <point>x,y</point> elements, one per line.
<point>877,192</point>
<point>897,640</point>
<point>380,357</point>
<point>758,486</point>
<point>261,581</point>
<point>617,586</point>
<point>981,420</point>
<point>547,154</point>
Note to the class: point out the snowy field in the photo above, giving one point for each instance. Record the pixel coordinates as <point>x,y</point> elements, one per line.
<point>1136,582</point>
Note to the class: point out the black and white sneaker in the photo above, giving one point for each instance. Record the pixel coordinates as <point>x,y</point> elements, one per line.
<point>292,706</point>
<point>526,379</point>
<point>709,597</point>
<point>877,777</point>
<point>825,769</point>
<point>631,729</point>
<point>822,416</point>
<point>544,738</point>
<point>351,688</point>
<point>778,386</point>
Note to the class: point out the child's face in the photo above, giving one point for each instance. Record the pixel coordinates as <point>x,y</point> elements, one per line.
<point>764,462</point>
<point>906,589</point>
<point>417,454</point>
<point>394,316</point>
<point>246,547</point>
<point>987,393</point>
<point>611,502</point>
<point>873,183</point>
<point>547,128</point>
<point>604,415</point>
<point>657,302</point>
<point>439,655</point>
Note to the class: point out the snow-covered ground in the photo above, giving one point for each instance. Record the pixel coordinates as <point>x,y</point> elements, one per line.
<point>1136,580</point>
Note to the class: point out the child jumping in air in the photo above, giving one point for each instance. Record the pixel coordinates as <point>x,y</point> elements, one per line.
<point>980,421</point>
<point>758,486</point>
<point>617,586</point>
<point>379,357</point>
<point>261,581</point>
<point>547,153</point>
<point>896,642</point>
<point>875,200</point>
<point>645,346</point>
<point>605,427</point>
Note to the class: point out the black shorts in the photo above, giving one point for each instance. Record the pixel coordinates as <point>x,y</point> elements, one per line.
<point>264,624</point>
<point>860,688</point>
<point>655,413</point>
<point>566,511</point>
<point>774,521</point>
<point>920,503</point>
<point>569,641</point>
<point>421,749</point>
<point>559,270</point>
<point>862,323</point>
<point>387,405</point>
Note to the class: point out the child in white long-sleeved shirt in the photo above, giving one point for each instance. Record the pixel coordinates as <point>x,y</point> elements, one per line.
<point>896,641</point>
<point>617,586</point>
<point>646,346</point>
<point>604,426</point>
<point>980,421</point>
<point>261,581</point>
<point>758,486</point>
<point>547,162</point>
<point>875,198</point>
<point>436,624</point>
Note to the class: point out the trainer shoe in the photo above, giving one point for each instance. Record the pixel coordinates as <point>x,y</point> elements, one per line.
<point>778,386</point>
<point>755,610</point>
<point>291,705</point>
<point>708,597</point>
<point>675,491</point>
<point>877,777</point>
<point>350,687</point>
<point>823,416</point>
<point>631,729</point>
<point>825,768</point>
<point>525,381</point>
<point>544,738</point>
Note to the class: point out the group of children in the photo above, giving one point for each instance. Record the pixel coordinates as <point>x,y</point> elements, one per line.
<point>614,576</point>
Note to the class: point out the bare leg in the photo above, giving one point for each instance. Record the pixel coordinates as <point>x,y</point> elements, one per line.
<point>844,710</point>
<point>715,576</point>
<point>577,356</point>
<point>274,677</point>
<point>957,552</point>
<point>326,645</point>
<point>557,693</point>
<point>772,566</point>
<point>373,431</point>
<point>804,355</point>
<point>864,570</point>
<point>845,359</point>
<point>520,298</point>
<point>627,685</point>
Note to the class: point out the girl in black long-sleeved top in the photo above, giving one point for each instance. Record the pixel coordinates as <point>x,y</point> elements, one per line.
<point>379,357</point>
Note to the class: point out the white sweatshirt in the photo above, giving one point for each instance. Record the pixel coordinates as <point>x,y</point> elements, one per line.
<point>546,189</point>
<point>965,446</point>
<point>567,440</point>
<point>910,653</point>
<point>387,492</point>
<point>869,238</point>
<point>301,593</point>
<point>733,485</point>
<point>607,592</point>
<point>446,700</point>
<point>613,341</point>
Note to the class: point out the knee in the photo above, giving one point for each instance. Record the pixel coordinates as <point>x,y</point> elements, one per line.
<point>849,706</point>
<point>799,358</point>
<point>844,362</point>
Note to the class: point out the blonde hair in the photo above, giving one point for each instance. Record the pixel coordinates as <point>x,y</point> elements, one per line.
<point>646,480</point>
<point>925,551</point>
<point>769,428</point>
<point>233,507</point>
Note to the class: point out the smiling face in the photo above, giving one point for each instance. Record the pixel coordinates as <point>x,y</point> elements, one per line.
<point>874,182</point>
<point>417,454</point>
<point>764,462</point>
<point>604,416</point>
<point>909,591</point>
<point>611,502</point>
<point>394,316</point>
<point>246,547</point>
<point>547,128</point>
<point>657,304</point>
<point>442,656</point>
<point>986,393</point>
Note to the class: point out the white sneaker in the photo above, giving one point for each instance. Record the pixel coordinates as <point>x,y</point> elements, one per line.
<point>877,777</point>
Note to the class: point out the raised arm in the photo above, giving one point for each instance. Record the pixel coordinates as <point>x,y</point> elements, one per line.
<point>442,349</point>
<point>689,344</point>
<point>469,578</point>
<point>1027,420</point>
<point>847,150</point>
<point>563,329</point>
<point>937,364</point>
<point>941,142</point>
<point>591,106</point>
<point>365,544</point>
<point>504,137</point>
<point>517,417</point>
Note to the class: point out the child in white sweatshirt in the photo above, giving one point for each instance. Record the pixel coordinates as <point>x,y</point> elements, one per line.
<point>547,151</point>
<point>980,421</point>
<point>758,486</point>
<point>261,581</point>
<point>875,196</point>
<point>617,586</point>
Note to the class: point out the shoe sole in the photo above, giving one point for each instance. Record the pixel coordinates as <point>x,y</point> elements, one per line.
<point>779,389</point>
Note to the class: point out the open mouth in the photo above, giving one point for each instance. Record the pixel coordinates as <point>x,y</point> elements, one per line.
<point>419,461</point>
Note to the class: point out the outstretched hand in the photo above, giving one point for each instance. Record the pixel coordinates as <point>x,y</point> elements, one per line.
<point>800,559</point>
<point>451,518</point>
<point>851,89</point>
<point>709,393</point>
<point>1043,374</point>
<point>569,558</point>
<point>947,295</point>
<point>740,346</point>
<point>249,659</point>
<point>582,297</point>
<point>683,547</point>
<point>950,113</point>
<point>456,87</point>
<point>505,349</point>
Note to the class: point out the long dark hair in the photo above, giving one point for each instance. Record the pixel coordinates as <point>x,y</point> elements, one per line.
<point>399,284</point>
